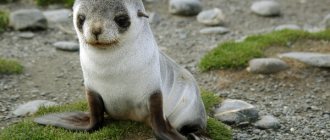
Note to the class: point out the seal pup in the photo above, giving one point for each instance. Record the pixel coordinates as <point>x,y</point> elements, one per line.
<point>127,77</point>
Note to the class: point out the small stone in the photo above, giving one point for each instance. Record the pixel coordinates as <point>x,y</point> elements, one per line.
<point>292,129</point>
<point>266,65</point>
<point>32,107</point>
<point>154,18</point>
<point>211,17</point>
<point>66,46</point>
<point>313,59</point>
<point>58,16</point>
<point>185,7</point>
<point>26,35</point>
<point>27,19</point>
<point>236,111</point>
<point>288,26</point>
<point>266,8</point>
<point>214,30</point>
<point>268,122</point>
<point>326,21</point>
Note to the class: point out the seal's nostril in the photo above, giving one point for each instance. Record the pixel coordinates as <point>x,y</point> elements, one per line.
<point>96,32</point>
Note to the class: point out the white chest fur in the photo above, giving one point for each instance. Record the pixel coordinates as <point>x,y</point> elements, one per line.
<point>124,76</point>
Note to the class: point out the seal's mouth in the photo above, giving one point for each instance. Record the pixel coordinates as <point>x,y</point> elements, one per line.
<point>102,45</point>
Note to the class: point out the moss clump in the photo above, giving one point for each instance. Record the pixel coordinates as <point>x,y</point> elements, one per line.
<point>218,130</point>
<point>68,3</point>
<point>10,67</point>
<point>114,130</point>
<point>210,100</point>
<point>4,20</point>
<point>237,54</point>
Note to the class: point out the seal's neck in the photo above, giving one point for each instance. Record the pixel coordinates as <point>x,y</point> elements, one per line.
<point>138,53</point>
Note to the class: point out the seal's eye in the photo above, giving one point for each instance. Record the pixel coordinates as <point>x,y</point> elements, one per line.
<point>123,21</point>
<point>80,21</point>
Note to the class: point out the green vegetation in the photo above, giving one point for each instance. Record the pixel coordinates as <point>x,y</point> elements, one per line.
<point>4,20</point>
<point>210,100</point>
<point>214,127</point>
<point>67,3</point>
<point>237,54</point>
<point>10,67</point>
<point>114,130</point>
<point>7,1</point>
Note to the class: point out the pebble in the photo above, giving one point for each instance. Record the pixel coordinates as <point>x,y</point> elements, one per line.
<point>266,8</point>
<point>66,45</point>
<point>236,111</point>
<point>58,16</point>
<point>214,30</point>
<point>32,107</point>
<point>313,59</point>
<point>27,19</point>
<point>268,122</point>
<point>287,26</point>
<point>154,18</point>
<point>211,17</point>
<point>266,65</point>
<point>185,7</point>
<point>326,21</point>
<point>26,35</point>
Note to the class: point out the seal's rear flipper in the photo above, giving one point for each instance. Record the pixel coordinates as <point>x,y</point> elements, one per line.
<point>76,121</point>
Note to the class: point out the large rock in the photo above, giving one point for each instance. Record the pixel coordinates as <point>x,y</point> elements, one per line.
<point>266,65</point>
<point>28,19</point>
<point>32,107</point>
<point>185,7</point>
<point>313,59</point>
<point>58,16</point>
<point>236,112</point>
<point>266,8</point>
<point>211,17</point>
<point>268,122</point>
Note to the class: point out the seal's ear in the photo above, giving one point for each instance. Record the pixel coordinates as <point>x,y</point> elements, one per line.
<point>142,14</point>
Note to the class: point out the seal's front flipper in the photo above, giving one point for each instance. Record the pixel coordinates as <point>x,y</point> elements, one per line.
<point>160,126</point>
<point>78,121</point>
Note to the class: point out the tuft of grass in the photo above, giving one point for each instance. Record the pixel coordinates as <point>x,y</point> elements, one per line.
<point>235,55</point>
<point>10,67</point>
<point>116,130</point>
<point>214,127</point>
<point>68,3</point>
<point>210,100</point>
<point>4,20</point>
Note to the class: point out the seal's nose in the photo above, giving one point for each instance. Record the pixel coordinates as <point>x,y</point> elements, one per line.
<point>97,30</point>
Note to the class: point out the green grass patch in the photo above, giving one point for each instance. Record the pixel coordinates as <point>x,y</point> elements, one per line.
<point>10,67</point>
<point>4,20</point>
<point>210,100</point>
<point>68,3</point>
<point>214,127</point>
<point>235,55</point>
<point>115,130</point>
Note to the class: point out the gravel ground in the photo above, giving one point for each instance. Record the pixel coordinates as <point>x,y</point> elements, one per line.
<point>299,97</point>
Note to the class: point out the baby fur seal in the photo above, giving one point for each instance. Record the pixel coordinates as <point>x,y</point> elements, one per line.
<point>127,76</point>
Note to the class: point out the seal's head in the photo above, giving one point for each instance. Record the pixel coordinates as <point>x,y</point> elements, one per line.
<point>107,23</point>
